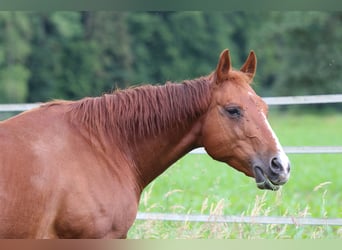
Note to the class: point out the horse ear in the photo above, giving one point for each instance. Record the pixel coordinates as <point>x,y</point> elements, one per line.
<point>223,67</point>
<point>249,67</point>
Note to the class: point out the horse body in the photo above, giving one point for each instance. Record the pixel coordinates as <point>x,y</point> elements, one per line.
<point>71,183</point>
<point>56,184</point>
<point>77,169</point>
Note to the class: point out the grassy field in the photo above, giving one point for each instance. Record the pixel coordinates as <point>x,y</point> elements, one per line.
<point>196,184</point>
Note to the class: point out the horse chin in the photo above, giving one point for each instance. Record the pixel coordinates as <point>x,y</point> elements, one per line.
<point>262,180</point>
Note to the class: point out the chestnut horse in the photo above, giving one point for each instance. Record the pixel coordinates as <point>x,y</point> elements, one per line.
<point>76,169</point>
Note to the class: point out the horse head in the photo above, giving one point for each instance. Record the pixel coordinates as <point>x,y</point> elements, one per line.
<point>236,130</point>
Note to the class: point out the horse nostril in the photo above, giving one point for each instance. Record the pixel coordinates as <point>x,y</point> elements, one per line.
<point>276,166</point>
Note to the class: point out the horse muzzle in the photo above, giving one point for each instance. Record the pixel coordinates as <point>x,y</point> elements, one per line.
<point>273,175</point>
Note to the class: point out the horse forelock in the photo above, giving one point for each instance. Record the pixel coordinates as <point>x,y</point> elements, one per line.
<point>147,110</point>
<point>238,77</point>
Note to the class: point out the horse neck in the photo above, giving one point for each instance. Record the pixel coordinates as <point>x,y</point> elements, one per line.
<point>152,126</point>
<point>157,148</point>
<point>152,156</point>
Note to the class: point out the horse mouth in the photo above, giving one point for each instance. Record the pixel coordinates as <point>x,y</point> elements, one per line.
<point>262,181</point>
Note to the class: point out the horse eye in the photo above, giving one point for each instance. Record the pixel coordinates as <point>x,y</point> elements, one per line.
<point>234,112</point>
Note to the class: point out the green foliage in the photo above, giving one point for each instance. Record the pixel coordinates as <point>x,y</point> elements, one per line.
<point>176,45</point>
<point>300,52</point>
<point>13,87</point>
<point>14,49</point>
<point>69,54</point>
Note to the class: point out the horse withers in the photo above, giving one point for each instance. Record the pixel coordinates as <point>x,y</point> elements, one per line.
<point>76,169</point>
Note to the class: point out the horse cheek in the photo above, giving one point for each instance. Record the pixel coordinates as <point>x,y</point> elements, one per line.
<point>216,139</point>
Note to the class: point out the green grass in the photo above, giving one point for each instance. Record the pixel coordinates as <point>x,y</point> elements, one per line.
<point>196,184</point>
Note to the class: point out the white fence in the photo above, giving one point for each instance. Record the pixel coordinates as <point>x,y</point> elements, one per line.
<point>241,219</point>
<point>290,100</point>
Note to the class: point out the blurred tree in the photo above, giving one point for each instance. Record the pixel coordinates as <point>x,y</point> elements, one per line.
<point>69,55</point>
<point>299,52</point>
<point>152,46</point>
<point>14,49</point>
<point>199,39</point>
<point>108,31</point>
<point>78,54</point>
<point>44,61</point>
<point>177,45</point>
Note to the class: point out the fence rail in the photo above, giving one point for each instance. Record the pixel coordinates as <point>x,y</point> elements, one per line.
<point>241,219</point>
<point>18,107</point>
<point>309,99</point>
<point>288,100</point>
